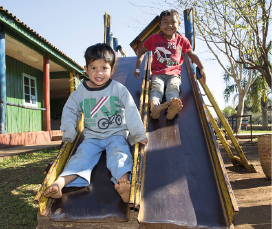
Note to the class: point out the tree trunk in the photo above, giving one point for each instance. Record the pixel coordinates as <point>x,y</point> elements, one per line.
<point>240,111</point>
<point>267,75</point>
<point>264,112</point>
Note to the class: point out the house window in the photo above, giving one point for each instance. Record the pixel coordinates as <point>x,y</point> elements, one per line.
<point>29,90</point>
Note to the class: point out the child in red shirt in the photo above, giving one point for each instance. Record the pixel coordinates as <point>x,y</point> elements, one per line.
<point>167,49</point>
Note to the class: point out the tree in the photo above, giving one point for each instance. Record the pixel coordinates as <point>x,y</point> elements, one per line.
<point>228,111</point>
<point>257,98</point>
<point>235,31</point>
<point>238,82</point>
<point>238,29</point>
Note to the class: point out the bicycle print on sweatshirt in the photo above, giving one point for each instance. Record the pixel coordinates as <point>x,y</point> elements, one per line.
<point>91,108</point>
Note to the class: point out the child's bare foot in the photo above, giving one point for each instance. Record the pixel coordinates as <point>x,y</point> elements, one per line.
<point>123,188</point>
<point>54,191</point>
<point>157,109</point>
<point>174,108</point>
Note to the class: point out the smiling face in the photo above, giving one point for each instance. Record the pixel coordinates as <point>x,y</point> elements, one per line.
<point>169,26</point>
<point>99,73</point>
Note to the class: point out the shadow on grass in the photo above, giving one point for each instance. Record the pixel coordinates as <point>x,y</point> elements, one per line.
<point>21,177</point>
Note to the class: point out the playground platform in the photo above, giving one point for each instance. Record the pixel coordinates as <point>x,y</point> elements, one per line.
<point>17,150</point>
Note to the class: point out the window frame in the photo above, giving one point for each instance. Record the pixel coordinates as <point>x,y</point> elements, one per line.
<point>36,98</point>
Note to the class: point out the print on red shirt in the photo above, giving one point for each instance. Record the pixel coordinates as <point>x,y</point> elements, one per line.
<point>167,54</point>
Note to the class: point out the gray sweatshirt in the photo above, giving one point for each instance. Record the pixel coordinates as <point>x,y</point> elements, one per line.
<point>108,110</point>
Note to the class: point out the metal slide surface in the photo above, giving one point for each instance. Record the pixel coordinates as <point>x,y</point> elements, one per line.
<point>179,187</point>
<point>99,202</point>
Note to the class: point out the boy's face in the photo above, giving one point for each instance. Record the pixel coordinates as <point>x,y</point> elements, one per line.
<point>169,26</point>
<point>99,73</point>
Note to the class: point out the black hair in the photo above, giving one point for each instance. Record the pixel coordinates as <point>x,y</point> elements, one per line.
<point>168,13</point>
<point>100,51</point>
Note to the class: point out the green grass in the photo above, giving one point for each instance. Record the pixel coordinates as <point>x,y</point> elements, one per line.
<point>21,177</point>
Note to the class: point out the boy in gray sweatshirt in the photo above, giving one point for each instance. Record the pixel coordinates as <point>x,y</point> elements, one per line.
<point>110,119</point>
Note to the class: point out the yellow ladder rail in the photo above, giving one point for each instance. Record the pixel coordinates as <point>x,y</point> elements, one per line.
<point>242,160</point>
<point>134,177</point>
<point>221,137</point>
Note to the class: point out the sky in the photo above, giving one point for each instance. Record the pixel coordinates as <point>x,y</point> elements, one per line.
<point>72,26</point>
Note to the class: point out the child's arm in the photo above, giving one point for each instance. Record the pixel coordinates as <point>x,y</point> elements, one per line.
<point>133,120</point>
<point>71,114</point>
<point>139,60</point>
<point>196,60</point>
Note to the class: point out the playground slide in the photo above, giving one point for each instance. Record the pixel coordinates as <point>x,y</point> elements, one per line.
<point>99,202</point>
<point>181,176</point>
<point>181,185</point>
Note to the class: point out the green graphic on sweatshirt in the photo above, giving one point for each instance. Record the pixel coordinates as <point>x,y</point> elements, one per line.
<point>90,108</point>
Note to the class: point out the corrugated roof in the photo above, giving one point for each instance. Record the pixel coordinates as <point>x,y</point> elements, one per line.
<point>34,33</point>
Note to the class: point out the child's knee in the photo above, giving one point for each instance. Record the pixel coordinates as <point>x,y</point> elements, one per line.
<point>173,87</point>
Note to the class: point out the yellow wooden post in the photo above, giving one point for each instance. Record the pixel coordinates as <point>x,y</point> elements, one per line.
<point>221,137</point>
<point>56,168</point>
<point>72,82</point>
<point>105,26</point>
<point>141,172</point>
<point>136,150</point>
<point>52,175</point>
<point>144,98</point>
<point>243,161</point>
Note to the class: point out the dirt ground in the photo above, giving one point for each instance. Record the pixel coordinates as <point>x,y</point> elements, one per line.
<point>252,192</point>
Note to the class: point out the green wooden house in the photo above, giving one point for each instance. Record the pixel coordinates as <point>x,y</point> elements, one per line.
<point>36,79</point>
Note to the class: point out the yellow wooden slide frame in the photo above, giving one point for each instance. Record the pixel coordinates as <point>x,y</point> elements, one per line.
<point>54,171</point>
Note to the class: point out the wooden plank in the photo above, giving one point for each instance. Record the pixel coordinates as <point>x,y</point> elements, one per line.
<point>72,83</point>
<point>140,172</point>
<point>221,137</point>
<point>134,179</point>
<point>179,188</point>
<point>20,119</point>
<point>225,190</point>
<point>51,176</point>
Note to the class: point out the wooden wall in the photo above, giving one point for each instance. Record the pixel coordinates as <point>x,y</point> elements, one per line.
<point>22,119</point>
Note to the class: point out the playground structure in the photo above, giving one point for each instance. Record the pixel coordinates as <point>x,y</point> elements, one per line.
<point>108,36</point>
<point>178,180</point>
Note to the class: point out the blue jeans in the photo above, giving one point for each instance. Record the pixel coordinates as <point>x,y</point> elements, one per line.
<point>119,159</point>
<point>158,82</point>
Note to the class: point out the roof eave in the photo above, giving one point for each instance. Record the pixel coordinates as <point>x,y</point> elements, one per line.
<point>41,45</point>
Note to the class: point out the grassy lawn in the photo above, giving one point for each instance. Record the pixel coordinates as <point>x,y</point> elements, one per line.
<point>21,177</point>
